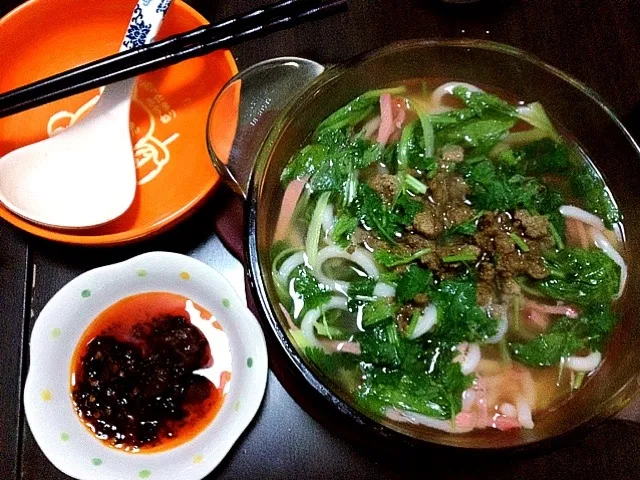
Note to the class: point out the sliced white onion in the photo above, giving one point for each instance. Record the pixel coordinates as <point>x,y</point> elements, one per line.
<point>447,89</point>
<point>360,257</point>
<point>426,321</point>
<point>404,416</point>
<point>509,410</point>
<point>370,127</point>
<point>524,413</point>
<point>327,218</point>
<point>603,244</point>
<point>384,290</point>
<point>503,326</point>
<point>312,316</point>
<point>584,364</point>
<point>469,357</point>
<point>289,265</point>
<point>582,215</point>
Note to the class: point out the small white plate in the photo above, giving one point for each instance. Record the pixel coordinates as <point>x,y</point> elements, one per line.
<point>48,407</point>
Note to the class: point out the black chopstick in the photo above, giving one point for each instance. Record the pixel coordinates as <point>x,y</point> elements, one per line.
<point>224,34</point>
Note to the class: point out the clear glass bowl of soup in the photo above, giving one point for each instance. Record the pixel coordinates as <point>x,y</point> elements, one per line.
<point>577,112</point>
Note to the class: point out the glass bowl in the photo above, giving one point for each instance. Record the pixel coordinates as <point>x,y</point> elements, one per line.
<point>572,105</point>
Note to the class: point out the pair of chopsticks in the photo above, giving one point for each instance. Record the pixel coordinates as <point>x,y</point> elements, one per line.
<point>200,41</point>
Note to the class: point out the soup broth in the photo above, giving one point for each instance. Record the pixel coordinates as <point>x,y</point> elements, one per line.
<point>448,257</point>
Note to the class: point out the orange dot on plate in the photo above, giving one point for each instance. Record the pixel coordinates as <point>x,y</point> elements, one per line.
<point>185,275</point>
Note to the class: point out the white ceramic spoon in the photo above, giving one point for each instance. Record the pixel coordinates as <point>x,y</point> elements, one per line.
<point>85,176</point>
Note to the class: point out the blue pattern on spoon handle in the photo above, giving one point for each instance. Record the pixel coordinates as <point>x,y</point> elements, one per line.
<point>144,24</point>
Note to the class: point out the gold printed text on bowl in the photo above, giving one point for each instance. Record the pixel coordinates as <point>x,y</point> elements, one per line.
<point>151,153</point>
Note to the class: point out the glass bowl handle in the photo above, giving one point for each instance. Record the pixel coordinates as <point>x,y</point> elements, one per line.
<point>245,109</point>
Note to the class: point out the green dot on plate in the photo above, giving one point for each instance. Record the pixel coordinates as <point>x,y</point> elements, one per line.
<point>236,406</point>
<point>226,303</point>
<point>85,293</point>
<point>96,461</point>
<point>64,436</point>
<point>141,272</point>
<point>144,473</point>
<point>249,362</point>
<point>55,332</point>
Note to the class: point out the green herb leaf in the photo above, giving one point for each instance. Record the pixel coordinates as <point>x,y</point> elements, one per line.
<point>343,229</point>
<point>484,103</point>
<point>391,259</point>
<point>432,386</point>
<point>307,290</point>
<point>356,110</point>
<point>566,337</point>
<point>546,349</point>
<point>580,276</point>
<point>414,281</point>
<point>460,319</point>
<point>475,133</point>
<point>305,163</point>
<point>377,311</point>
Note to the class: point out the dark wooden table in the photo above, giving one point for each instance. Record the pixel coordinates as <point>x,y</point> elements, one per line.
<point>597,41</point>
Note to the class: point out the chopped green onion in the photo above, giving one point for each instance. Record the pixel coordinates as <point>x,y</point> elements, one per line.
<point>556,236</point>
<point>415,185</point>
<point>394,260</point>
<point>427,128</point>
<point>576,379</point>
<point>519,242</point>
<point>315,226</point>
<point>461,256</point>
<point>516,311</point>
<point>504,351</point>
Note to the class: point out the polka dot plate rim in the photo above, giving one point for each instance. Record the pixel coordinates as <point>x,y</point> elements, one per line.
<point>48,407</point>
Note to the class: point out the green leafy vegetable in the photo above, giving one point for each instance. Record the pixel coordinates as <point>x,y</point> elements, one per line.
<point>567,337</point>
<point>414,281</point>
<point>355,111</point>
<point>494,189</point>
<point>378,311</point>
<point>343,229</point>
<point>546,349</point>
<point>535,115</point>
<point>465,228</point>
<point>459,316</point>
<point>390,259</point>
<point>484,103</point>
<point>308,291</point>
<point>430,384</point>
<point>556,157</point>
<point>387,220</point>
<point>475,133</point>
<point>580,276</point>
<point>361,288</point>
<point>544,156</point>
<point>305,163</point>
<point>588,185</point>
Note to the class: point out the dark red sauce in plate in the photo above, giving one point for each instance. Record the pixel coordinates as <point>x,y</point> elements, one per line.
<point>132,381</point>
